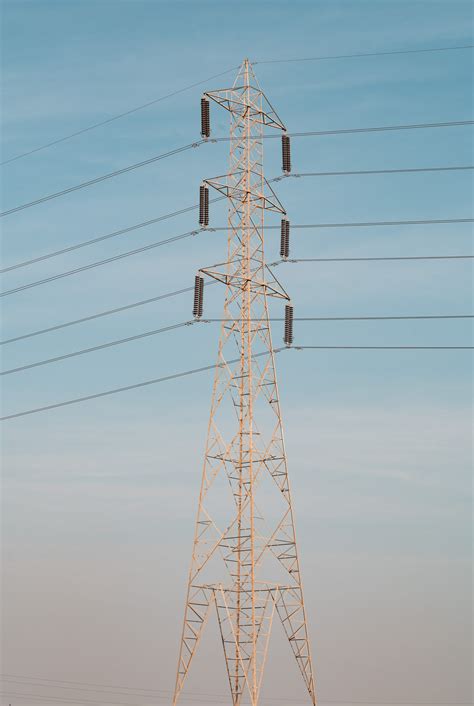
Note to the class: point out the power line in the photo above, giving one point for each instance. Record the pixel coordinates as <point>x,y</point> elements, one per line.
<point>107,236</point>
<point>116,390</point>
<point>115,117</point>
<point>173,214</point>
<point>99,239</point>
<point>364,224</point>
<point>376,128</point>
<point>109,344</point>
<point>116,690</point>
<point>63,699</point>
<point>98,263</point>
<point>363,172</point>
<point>165,693</point>
<point>177,292</point>
<point>104,177</point>
<point>385,348</point>
<point>157,698</point>
<point>183,148</point>
<point>383,128</point>
<point>188,234</point>
<point>187,373</point>
<point>120,690</point>
<point>61,684</point>
<point>357,318</point>
<point>374,259</point>
<point>98,315</point>
<point>353,56</point>
<point>222,700</point>
<point>154,332</point>
<point>210,78</point>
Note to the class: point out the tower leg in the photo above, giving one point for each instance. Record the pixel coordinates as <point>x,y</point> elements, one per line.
<point>199,602</point>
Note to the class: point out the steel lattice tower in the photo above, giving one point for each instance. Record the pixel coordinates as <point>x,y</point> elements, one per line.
<point>245,566</point>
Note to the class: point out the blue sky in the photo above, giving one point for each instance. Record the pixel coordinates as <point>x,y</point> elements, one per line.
<point>99,498</point>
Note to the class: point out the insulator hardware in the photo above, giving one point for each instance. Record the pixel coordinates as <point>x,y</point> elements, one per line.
<point>285,238</point>
<point>203,206</point>
<point>288,338</point>
<point>286,153</point>
<point>205,118</point>
<point>198,296</point>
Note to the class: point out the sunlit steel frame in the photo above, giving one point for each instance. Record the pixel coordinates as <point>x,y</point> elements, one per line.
<point>245,604</point>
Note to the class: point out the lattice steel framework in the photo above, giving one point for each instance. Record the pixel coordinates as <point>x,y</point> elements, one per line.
<point>245,566</point>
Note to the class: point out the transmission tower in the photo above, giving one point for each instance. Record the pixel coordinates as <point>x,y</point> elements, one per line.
<point>245,562</point>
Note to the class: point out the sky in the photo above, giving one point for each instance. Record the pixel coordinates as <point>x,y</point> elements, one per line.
<point>98,498</point>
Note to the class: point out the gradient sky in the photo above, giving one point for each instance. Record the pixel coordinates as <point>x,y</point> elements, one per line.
<point>99,498</point>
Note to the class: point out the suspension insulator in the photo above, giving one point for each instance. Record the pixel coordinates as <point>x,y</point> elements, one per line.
<point>203,206</point>
<point>205,118</point>
<point>198,296</point>
<point>286,153</point>
<point>285,238</point>
<point>288,338</point>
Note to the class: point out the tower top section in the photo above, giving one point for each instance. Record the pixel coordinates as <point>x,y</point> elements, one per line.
<point>246,97</point>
